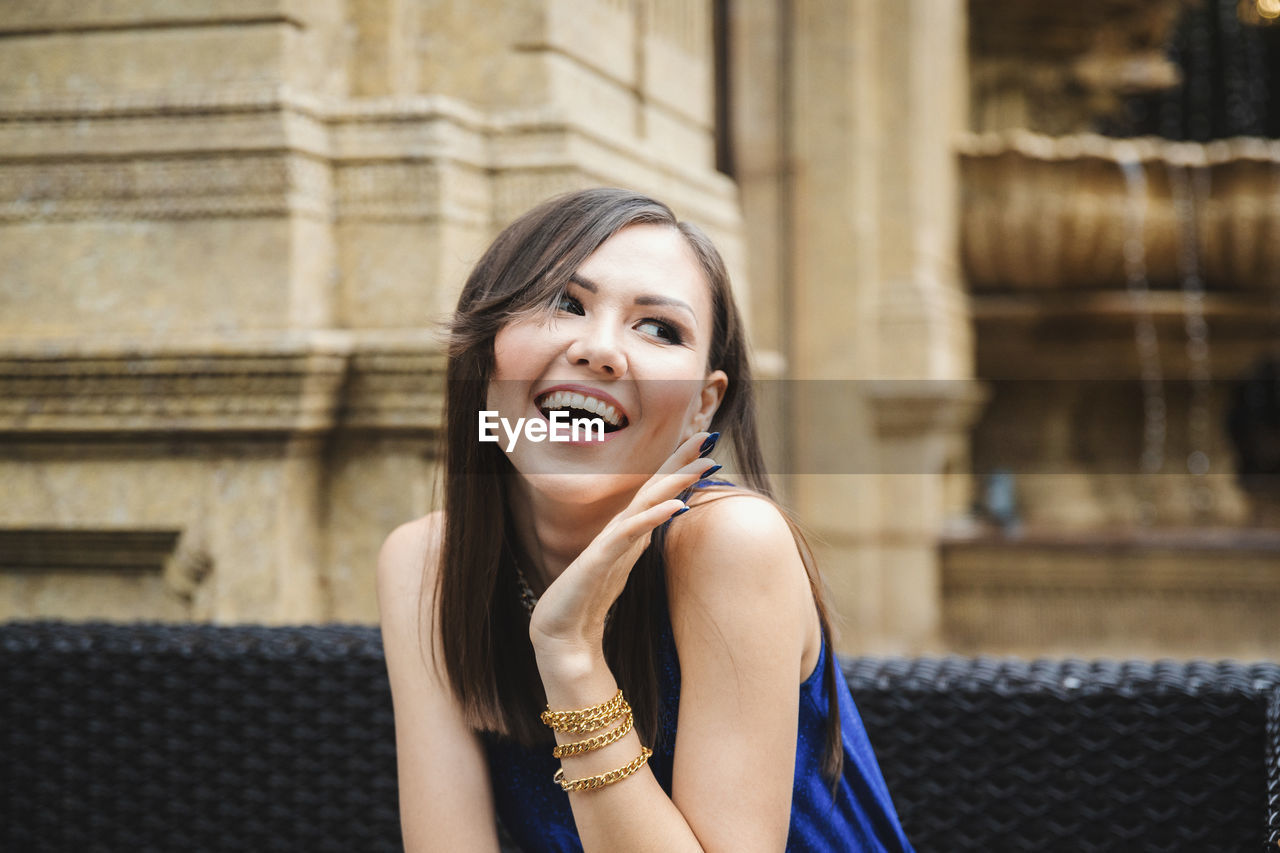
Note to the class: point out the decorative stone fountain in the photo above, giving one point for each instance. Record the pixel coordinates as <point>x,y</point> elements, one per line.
<point>1121,289</point>
<point>1051,213</point>
<point>1092,287</point>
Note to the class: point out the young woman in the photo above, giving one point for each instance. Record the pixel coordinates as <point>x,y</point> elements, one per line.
<point>595,642</point>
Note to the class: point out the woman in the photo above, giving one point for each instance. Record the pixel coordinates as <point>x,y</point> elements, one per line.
<point>560,573</point>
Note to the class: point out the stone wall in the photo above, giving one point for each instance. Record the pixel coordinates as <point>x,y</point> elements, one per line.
<point>228,230</point>
<point>846,113</point>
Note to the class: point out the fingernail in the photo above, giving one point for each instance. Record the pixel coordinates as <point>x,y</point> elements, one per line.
<point>707,473</point>
<point>677,512</point>
<point>708,444</point>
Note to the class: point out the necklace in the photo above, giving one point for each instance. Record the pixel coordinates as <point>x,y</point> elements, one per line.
<point>527,598</point>
<point>530,601</point>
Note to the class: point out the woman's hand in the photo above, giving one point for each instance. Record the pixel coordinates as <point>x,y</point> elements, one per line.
<point>569,617</point>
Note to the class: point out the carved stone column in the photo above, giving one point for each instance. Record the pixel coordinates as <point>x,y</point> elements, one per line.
<point>858,258</point>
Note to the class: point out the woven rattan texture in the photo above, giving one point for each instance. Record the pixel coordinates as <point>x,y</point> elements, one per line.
<point>149,738</point>
<point>166,738</point>
<point>997,754</point>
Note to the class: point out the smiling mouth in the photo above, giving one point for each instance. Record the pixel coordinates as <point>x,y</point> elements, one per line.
<point>581,407</point>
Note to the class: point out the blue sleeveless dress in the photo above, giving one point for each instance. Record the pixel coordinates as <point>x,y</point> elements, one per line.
<point>861,817</point>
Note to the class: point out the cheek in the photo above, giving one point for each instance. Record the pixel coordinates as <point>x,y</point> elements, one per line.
<point>511,360</point>
<point>676,400</point>
<point>518,350</point>
<point>505,343</point>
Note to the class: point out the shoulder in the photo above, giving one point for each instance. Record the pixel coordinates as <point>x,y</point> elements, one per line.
<point>411,551</point>
<point>742,615</point>
<point>442,775</point>
<point>406,577</point>
<point>731,529</point>
<point>733,559</point>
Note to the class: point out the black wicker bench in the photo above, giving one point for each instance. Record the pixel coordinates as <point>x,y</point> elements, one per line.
<point>150,738</point>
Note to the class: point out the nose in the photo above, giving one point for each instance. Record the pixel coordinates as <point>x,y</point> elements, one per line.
<point>598,348</point>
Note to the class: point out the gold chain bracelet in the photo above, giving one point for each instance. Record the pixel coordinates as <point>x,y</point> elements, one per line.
<point>602,779</point>
<point>587,720</point>
<point>565,750</point>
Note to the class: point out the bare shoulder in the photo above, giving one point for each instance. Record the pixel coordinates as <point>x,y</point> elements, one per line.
<point>746,634</point>
<point>733,565</point>
<point>406,580</point>
<point>445,798</point>
<point>719,505</point>
<point>410,553</point>
<point>726,526</point>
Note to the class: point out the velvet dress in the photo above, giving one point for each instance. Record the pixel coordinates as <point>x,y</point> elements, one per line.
<point>861,817</point>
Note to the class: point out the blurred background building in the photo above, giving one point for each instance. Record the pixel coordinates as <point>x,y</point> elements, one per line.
<point>1012,272</point>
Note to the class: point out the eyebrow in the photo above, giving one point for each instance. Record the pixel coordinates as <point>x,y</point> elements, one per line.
<point>643,299</point>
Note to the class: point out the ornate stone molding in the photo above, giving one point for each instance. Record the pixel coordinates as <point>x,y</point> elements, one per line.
<point>911,408</point>
<point>1045,212</point>
<point>1189,591</point>
<point>49,549</point>
<point>299,385</point>
<point>1053,325</point>
<point>395,383</point>
<point>73,16</point>
<point>266,150</point>
<point>162,188</point>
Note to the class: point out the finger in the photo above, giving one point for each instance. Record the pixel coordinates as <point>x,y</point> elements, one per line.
<point>630,533</point>
<point>684,478</point>
<point>644,522</point>
<point>664,486</point>
<point>689,450</point>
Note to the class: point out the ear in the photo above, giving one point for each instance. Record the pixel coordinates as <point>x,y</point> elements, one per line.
<point>709,399</point>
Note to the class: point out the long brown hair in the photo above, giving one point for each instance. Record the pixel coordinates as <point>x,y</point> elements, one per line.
<point>488,656</point>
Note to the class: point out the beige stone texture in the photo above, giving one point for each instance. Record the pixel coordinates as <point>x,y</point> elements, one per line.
<point>231,230</point>
<point>1056,67</point>
<point>373,488</point>
<point>182,276</point>
<point>107,61</point>
<point>1112,315</point>
<point>847,115</point>
<point>222,446</point>
<point>1176,593</point>
<point>1056,212</point>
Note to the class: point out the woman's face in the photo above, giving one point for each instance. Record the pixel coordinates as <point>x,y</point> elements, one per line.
<point>633,331</point>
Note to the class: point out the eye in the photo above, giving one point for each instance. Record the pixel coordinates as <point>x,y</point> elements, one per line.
<point>569,304</point>
<point>660,329</point>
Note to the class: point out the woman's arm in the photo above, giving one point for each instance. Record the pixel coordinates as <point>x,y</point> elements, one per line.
<point>741,610</point>
<point>446,803</point>
<point>742,613</point>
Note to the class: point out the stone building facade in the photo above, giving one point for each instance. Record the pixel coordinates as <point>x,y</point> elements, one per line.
<point>229,230</point>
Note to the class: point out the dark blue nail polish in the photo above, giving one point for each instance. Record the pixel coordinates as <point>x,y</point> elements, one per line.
<point>707,473</point>
<point>677,512</point>
<point>708,444</point>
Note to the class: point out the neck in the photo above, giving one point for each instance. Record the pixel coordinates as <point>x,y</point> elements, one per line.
<point>552,532</point>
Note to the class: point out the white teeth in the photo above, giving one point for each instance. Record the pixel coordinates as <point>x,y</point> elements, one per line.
<point>569,399</point>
